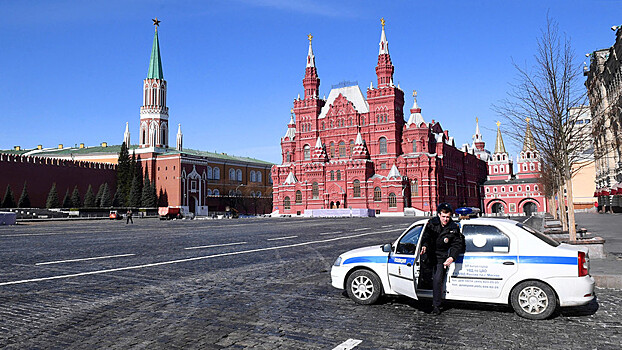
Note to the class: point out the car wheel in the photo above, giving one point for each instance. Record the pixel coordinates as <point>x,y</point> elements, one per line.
<point>533,300</point>
<point>363,287</point>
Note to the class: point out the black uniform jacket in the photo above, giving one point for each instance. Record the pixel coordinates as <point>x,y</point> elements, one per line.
<point>441,242</point>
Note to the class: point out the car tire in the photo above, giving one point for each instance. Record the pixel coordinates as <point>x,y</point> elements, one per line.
<point>364,287</point>
<point>533,300</point>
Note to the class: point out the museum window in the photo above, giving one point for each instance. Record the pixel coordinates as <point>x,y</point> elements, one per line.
<point>415,187</point>
<point>216,173</point>
<point>252,176</point>
<point>209,192</point>
<point>193,185</point>
<point>377,194</point>
<point>357,188</point>
<point>382,144</point>
<point>392,200</point>
<point>216,193</point>
<point>209,172</point>
<point>231,174</point>
<point>414,146</point>
<point>298,197</point>
<point>342,149</point>
<point>338,175</point>
<point>286,203</point>
<point>331,149</point>
<point>307,152</point>
<point>239,174</point>
<point>258,176</point>
<point>351,147</point>
<point>288,157</point>
<point>315,191</point>
<point>332,175</point>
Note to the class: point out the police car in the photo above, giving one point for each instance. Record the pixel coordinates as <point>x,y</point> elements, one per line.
<point>505,262</point>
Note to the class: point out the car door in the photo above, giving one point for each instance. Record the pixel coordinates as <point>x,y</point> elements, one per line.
<point>401,266</point>
<point>489,261</point>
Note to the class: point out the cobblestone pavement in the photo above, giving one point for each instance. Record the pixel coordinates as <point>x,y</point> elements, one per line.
<point>242,291</point>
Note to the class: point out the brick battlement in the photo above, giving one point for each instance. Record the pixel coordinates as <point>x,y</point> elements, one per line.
<point>17,158</point>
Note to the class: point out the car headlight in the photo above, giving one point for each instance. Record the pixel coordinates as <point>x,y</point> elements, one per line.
<point>337,262</point>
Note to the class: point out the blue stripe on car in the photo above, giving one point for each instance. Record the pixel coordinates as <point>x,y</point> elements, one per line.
<point>365,259</point>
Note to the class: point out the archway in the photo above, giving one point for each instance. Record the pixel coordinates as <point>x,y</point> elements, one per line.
<point>337,205</point>
<point>193,203</point>
<point>529,208</point>
<point>332,205</point>
<point>497,208</point>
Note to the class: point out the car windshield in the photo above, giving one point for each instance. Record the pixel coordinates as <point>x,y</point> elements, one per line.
<point>539,234</point>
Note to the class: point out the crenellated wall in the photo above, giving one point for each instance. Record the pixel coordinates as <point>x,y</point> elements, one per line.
<point>41,172</point>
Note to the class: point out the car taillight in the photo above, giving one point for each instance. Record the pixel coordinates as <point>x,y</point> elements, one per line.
<point>583,264</point>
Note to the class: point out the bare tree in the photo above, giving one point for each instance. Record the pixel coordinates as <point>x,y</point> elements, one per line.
<point>544,95</point>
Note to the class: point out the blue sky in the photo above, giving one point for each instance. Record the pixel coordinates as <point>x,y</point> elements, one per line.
<point>72,71</point>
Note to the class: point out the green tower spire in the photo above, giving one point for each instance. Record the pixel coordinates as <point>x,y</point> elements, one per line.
<point>155,64</point>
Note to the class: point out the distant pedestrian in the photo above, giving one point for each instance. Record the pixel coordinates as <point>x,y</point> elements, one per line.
<point>442,242</point>
<point>128,217</point>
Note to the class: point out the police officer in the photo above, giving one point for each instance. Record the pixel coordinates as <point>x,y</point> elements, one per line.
<point>442,242</point>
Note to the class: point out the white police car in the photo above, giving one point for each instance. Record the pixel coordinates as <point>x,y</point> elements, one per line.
<point>505,262</point>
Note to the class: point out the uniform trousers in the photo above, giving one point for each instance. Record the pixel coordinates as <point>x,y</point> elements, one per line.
<point>438,277</point>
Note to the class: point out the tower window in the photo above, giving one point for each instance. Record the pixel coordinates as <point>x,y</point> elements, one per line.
<point>382,145</point>
<point>357,188</point>
<point>338,175</point>
<point>307,152</point>
<point>286,203</point>
<point>377,194</point>
<point>315,192</point>
<point>342,149</point>
<point>392,200</point>
<point>298,197</point>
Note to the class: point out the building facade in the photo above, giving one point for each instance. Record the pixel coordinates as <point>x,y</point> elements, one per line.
<point>604,90</point>
<point>507,193</point>
<point>356,151</point>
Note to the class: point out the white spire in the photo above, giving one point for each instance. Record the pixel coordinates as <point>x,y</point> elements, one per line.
<point>359,139</point>
<point>318,144</point>
<point>291,179</point>
<point>415,113</point>
<point>310,56</point>
<point>180,138</point>
<point>384,44</point>
<point>394,172</point>
<point>477,136</point>
<point>126,135</point>
<point>371,85</point>
<point>291,128</point>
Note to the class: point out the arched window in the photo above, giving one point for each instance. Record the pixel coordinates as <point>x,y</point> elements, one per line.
<point>331,149</point>
<point>298,197</point>
<point>216,193</point>
<point>392,200</point>
<point>382,144</point>
<point>351,146</point>
<point>252,176</point>
<point>209,172</point>
<point>286,203</point>
<point>342,149</point>
<point>307,152</point>
<point>288,157</point>
<point>377,194</point>
<point>258,194</point>
<point>357,188</point>
<point>216,173</point>
<point>209,192</point>
<point>315,192</point>
<point>332,175</point>
<point>231,174</point>
<point>239,174</point>
<point>414,146</point>
<point>338,175</point>
<point>258,176</point>
<point>415,187</point>
<point>322,125</point>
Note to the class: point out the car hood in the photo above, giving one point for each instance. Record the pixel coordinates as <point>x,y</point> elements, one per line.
<point>372,251</point>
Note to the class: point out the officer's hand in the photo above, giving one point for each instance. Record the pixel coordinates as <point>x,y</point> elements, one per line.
<point>423,250</point>
<point>448,261</point>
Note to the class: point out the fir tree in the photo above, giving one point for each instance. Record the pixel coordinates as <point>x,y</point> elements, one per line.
<point>149,197</point>
<point>106,200</point>
<point>89,198</point>
<point>117,200</point>
<point>52,201</point>
<point>154,195</point>
<point>98,197</point>
<point>76,201</point>
<point>67,200</point>
<point>24,199</point>
<point>135,193</point>
<point>9,200</point>
<point>124,171</point>
<point>162,199</point>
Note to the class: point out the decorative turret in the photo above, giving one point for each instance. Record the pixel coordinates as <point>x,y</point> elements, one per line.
<point>384,68</point>
<point>319,152</point>
<point>528,144</point>
<point>394,173</point>
<point>478,141</point>
<point>529,158</point>
<point>126,135</point>
<point>154,113</point>
<point>291,129</point>
<point>359,151</point>
<point>311,82</point>
<point>500,166</point>
<point>180,138</point>
<point>415,113</point>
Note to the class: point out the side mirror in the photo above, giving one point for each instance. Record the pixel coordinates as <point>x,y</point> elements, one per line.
<point>387,248</point>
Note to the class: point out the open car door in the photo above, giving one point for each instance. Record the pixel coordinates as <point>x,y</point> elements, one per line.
<point>401,266</point>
